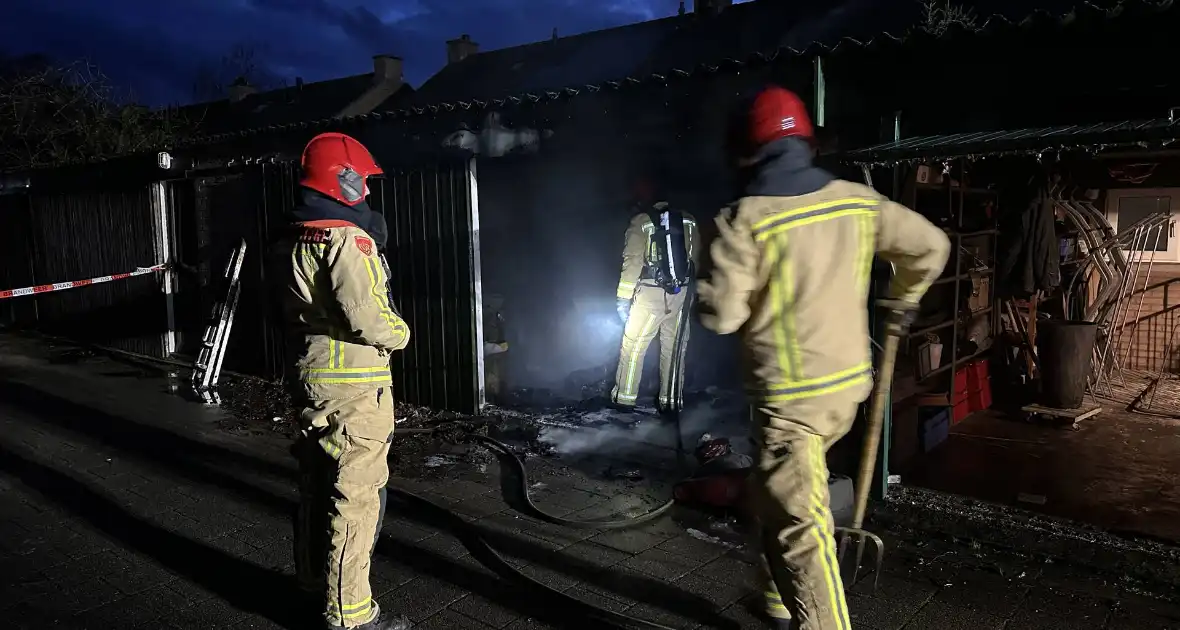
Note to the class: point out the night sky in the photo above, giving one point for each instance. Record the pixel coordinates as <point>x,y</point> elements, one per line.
<point>156,47</point>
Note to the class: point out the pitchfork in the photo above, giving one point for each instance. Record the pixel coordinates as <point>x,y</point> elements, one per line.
<point>895,325</point>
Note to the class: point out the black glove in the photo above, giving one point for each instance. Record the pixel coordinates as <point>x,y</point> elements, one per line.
<point>899,314</point>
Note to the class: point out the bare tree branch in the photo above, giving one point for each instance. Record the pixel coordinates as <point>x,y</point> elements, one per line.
<point>55,115</point>
<point>241,63</point>
<point>939,15</point>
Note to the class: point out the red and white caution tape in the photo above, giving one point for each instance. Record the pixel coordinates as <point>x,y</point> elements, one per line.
<point>62,286</point>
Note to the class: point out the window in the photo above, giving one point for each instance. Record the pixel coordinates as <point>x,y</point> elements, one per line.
<point>1127,206</point>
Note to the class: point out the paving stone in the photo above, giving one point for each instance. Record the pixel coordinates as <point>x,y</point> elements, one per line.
<point>594,555</point>
<point>487,610</point>
<point>530,623</point>
<point>450,620</point>
<point>630,541</point>
<point>422,597</point>
<point>213,613</point>
<point>552,576</point>
<point>720,594</point>
<point>461,489</point>
<point>661,564</point>
<point>654,614</point>
<point>689,547</point>
<point>387,574</point>
<point>983,592</point>
<point>729,570</point>
<point>1081,609</point>
<point>895,601</point>
<point>939,615</point>
<point>1141,621</point>
<point>479,507</point>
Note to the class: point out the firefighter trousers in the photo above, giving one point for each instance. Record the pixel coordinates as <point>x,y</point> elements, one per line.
<point>654,311</point>
<point>343,469</point>
<point>789,495</point>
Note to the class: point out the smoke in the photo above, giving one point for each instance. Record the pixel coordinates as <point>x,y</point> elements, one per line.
<point>651,441</point>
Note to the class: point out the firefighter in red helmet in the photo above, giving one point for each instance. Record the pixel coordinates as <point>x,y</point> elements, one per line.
<point>791,268</point>
<point>341,330</point>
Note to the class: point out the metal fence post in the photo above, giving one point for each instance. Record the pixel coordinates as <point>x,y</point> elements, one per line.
<point>476,282</point>
<point>163,247</point>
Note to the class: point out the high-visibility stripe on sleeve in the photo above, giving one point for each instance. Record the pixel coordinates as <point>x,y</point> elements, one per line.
<point>625,290</point>
<point>377,289</point>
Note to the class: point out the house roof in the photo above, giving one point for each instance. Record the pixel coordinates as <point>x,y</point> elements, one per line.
<point>285,106</point>
<point>745,35</point>
<point>1037,141</point>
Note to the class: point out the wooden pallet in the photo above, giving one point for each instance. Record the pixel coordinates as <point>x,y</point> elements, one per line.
<point>1072,416</point>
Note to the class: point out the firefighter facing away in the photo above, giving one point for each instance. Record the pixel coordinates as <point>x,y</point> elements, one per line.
<point>341,330</point>
<point>792,264</point>
<point>656,284</point>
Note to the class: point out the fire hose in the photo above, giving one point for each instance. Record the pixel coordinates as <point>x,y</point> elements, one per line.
<point>474,541</point>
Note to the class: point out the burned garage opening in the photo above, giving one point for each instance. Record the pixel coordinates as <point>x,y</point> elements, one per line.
<point>1041,372</point>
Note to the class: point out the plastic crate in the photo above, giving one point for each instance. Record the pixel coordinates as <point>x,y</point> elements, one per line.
<point>934,429</point>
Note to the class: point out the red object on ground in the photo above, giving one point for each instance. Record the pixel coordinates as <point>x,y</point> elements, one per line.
<point>725,489</point>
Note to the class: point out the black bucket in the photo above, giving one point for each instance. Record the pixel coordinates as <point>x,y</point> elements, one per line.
<point>1064,349</point>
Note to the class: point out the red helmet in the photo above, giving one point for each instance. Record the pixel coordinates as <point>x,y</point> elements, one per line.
<point>337,165</point>
<point>778,113</point>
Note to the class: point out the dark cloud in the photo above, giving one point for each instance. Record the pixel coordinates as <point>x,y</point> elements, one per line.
<point>157,46</point>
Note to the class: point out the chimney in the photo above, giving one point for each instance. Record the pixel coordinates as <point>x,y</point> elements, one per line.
<point>460,49</point>
<point>240,89</point>
<point>387,68</point>
<point>710,7</point>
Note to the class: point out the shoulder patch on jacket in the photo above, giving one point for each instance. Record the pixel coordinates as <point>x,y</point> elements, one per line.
<point>364,244</point>
<point>313,235</point>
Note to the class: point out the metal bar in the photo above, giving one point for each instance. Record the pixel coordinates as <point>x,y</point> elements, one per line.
<point>955,303</point>
<point>963,276</point>
<point>952,365</point>
<point>162,246</point>
<point>930,329</point>
<point>476,276</point>
<point>820,91</point>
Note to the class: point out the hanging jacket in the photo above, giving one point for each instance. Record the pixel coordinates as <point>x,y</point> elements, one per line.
<point>340,326</point>
<point>639,251</point>
<point>791,269</point>
<point>1027,253</point>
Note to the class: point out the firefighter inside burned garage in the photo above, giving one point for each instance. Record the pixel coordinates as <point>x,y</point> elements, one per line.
<point>342,329</point>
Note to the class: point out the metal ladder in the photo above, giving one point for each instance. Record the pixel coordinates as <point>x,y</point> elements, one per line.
<point>207,367</point>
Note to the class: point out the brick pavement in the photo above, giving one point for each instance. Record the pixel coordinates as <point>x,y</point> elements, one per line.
<point>124,507</point>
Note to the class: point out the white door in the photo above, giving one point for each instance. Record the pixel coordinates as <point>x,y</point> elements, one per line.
<point>1127,206</point>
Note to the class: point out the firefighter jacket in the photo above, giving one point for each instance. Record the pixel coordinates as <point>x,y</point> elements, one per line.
<point>638,251</point>
<point>341,327</point>
<point>791,270</point>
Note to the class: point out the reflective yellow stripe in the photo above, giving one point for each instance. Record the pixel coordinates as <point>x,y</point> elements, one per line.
<point>351,611</point>
<point>334,450</point>
<point>782,221</point>
<point>808,388</point>
<point>820,530</point>
<point>377,289</point>
<point>347,375</point>
<point>783,304</point>
<point>625,291</point>
<point>630,390</point>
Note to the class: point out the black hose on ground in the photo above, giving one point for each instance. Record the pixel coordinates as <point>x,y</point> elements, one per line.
<point>490,558</point>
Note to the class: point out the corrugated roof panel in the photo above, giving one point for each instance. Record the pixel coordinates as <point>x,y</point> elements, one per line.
<point>1160,131</point>
<point>676,49</point>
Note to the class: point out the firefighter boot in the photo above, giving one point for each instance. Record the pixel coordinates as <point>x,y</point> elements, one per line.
<point>381,621</point>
